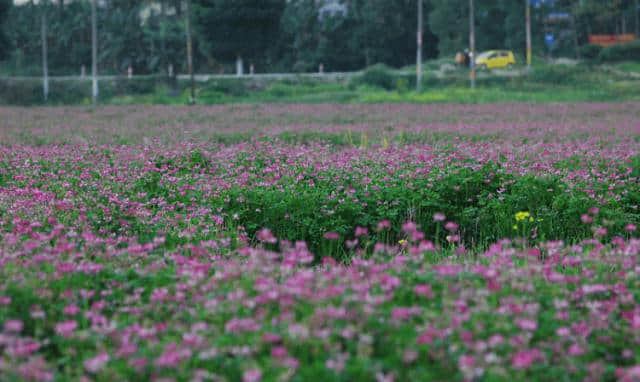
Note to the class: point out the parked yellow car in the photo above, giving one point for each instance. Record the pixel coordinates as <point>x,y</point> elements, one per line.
<point>495,59</point>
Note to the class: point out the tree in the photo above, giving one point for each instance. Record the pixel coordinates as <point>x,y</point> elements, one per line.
<point>5,6</point>
<point>359,33</point>
<point>237,29</point>
<point>163,31</point>
<point>450,23</point>
<point>299,36</point>
<point>386,29</point>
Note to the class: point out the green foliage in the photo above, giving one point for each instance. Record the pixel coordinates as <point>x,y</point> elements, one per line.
<point>233,87</point>
<point>29,91</point>
<point>378,75</point>
<point>5,5</point>
<point>590,52</point>
<point>621,52</point>
<point>561,75</point>
<point>483,201</point>
<point>449,21</point>
<point>240,28</point>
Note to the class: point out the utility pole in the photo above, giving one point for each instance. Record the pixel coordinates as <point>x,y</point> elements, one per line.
<point>472,43</point>
<point>527,6</point>
<point>419,53</point>
<point>94,54</point>
<point>45,64</point>
<point>637,13</point>
<point>190,52</point>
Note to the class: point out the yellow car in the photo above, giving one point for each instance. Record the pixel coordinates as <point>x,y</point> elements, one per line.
<point>495,59</point>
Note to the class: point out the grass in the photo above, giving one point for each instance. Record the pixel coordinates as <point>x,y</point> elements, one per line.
<point>547,83</point>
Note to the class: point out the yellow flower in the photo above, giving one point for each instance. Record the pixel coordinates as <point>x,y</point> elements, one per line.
<point>522,215</point>
<point>515,227</point>
<point>402,242</point>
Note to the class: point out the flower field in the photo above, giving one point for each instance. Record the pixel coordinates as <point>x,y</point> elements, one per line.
<point>320,242</point>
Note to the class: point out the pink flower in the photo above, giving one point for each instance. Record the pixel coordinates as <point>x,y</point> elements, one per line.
<point>495,340</point>
<point>384,224</point>
<point>172,356</point>
<point>252,375</point>
<point>586,219</point>
<point>265,236</point>
<point>576,350</point>
<point>527,324</point>
<point>271,338</point>
<point>631,374</point>
<point>159,294</point>
<point>35,370</point>
<point>66,328</point>
<point>409,227</point>
<point>23,348</point>
<point>523,359</point>
<point>439,217</point>
<point>600,231</point>
<point>451,227</point>
<point>331,236</point>
<point>95,364</point>
<point>423,290</point>
<point>466,362</point>
<point>279,352</point>
<point>239,325</point>
<point>630,227</point>
<point>361,231</point>
<point>71,310</point>
<point>13,326</point>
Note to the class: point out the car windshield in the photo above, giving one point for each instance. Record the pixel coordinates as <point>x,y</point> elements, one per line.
<point>485,54</point>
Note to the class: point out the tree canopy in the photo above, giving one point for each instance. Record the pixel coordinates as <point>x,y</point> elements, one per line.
<point>238,28</point>
<point>4,41</point>
<point>285,35</point>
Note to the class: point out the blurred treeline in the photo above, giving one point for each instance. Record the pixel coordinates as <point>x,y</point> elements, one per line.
<point>285,35</point>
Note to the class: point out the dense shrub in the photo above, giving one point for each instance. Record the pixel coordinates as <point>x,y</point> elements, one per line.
<point>22,92</point>
<point>232,87</point>
<point>379,76</point>
<point>559,75</point>
<point>590,52</point>
<point>621,52</point>
<point>28,92</point>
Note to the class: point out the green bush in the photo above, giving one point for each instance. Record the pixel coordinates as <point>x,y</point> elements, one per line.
<point>483,201</point>
<point>231,86</point>
<point>559,75</point>
<point>379,76</point>
<point>590,52</point>
<point>621,52</point>
<point>27,92</point>
<point>20,92</point>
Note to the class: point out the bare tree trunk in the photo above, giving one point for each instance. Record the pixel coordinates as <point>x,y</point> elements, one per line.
<point>94,53</point>
<point>636,12</point>
<point>574,27</point>
<point>528,23</point>
<point>472,43</point>
<point>419,53</point>
<point>190,52</point>
<point>164,62</point>
<point>45,63</point>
